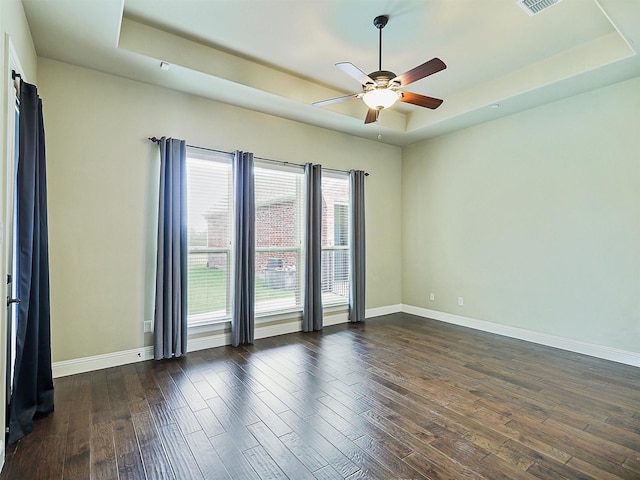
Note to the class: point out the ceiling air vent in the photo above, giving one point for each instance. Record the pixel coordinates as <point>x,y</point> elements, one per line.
<point>533,7</point>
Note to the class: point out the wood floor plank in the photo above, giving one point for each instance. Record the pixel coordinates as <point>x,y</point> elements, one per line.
<point>358,456</point>
<point>101,407</point>
<point>186,420</point>
<point>232,424</point>
<point>327,473</point>
<point>77,461</point>
<point>304,451</point>
<point>127,450</point>
<point>264,465</point>
<point>130,466</point>
<point>154,458</point>
<point>204,389</point>
<point>152,391</point>
<point>103,456</point>
<point>234,461</point>
<point>171,393</point>
<point>336,457</point>
<point>189,392</point>
<point>182,461</point>
<point>378,451</point>
<point>206,457</point>
<point>162,414</point>
<point>209,422</point>
<point>117,395</point>
<point>278,451</point>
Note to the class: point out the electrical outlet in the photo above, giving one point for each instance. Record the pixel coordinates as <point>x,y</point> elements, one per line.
<point>432,296</point>
<point>460,302</point>
<point>148,326</point>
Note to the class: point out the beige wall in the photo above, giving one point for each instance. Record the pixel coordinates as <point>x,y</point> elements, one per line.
<point>534,219</point>
<point>14,24</point>
<point>102,174</point>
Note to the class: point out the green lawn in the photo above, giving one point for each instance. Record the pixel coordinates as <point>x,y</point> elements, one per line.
<point>206,290</point>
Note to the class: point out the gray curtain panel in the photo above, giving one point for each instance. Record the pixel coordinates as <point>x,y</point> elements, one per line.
<point>357,244</point>
<point>312,308</point>
<point>170,322</point>
<point>32,393</point>
<point>244,243</point>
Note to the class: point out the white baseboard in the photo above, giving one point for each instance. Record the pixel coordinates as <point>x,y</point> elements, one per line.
<point>221,338</point>
<point>380,311</point>
<point>96,362</point>
<point>217,339</point>
<point>210,341</point>
<point>336,319</point>
<point>577,346</point>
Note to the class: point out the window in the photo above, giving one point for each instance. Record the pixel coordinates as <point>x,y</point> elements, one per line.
<point>279,238</point>
<point>279,212</point>
<point>209,227</point>
<point>335,239</point>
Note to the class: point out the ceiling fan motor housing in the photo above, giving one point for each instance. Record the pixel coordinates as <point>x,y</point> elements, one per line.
<point>382,79</point>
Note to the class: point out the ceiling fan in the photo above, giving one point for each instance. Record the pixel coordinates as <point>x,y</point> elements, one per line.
<point>381,89</point>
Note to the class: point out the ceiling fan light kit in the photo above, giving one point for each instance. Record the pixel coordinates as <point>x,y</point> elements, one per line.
<point>381,88</point>
<point>380,98</point>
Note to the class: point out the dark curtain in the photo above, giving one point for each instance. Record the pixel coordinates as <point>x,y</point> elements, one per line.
<point>312,307</point>
<point>32,392</point>
<point>244,243</point>
<point>357,268</point>
<point>170,321</point>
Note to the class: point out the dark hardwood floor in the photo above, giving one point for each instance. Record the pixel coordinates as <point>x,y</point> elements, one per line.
<point>398,397</point>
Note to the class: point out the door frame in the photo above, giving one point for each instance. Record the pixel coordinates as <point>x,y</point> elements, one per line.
<point>11,62</point>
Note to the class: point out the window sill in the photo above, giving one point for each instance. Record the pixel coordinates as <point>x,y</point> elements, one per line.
<point>210,325</point>
<point>205,324</point>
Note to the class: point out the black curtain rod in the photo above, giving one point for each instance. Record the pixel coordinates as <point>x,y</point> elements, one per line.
<point>15,75</point>
<point>281,162</point>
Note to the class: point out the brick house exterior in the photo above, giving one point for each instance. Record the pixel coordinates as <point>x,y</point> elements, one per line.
<point>276,227</point>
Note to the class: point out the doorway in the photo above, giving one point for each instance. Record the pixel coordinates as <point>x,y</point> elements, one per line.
<point>11,248</point>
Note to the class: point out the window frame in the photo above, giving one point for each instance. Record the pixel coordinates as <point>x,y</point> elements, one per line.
<point>343,176</point>
<point>195,320</point>
<point>299,233</point>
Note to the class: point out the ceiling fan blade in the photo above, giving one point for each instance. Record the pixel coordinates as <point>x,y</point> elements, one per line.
<point>354,72</point>
<point>372,116</point>
<point>331,101</point>
<point>420,100</point>
<point>428,68</point>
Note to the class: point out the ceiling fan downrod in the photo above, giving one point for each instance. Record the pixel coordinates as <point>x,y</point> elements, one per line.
<point>380,22</point>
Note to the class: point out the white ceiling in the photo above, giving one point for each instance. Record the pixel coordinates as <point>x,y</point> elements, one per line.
<point>278,56</point>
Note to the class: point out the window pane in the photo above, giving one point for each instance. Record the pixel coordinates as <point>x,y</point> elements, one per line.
<point>335,240</point>
<point>279,207</point>
<point>209,206</point>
